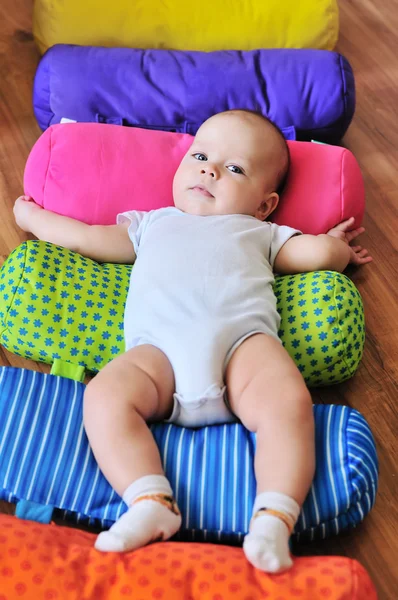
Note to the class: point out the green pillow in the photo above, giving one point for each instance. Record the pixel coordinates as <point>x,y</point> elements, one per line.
<point>63,309</point>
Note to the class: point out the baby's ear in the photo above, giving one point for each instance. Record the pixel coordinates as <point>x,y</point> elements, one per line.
<point>267,206</point>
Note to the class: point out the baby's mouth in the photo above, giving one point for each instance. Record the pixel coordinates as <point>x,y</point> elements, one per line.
<point>202,190</point>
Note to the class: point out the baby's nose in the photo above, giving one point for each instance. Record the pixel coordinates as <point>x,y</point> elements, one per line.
<point>209,170</point>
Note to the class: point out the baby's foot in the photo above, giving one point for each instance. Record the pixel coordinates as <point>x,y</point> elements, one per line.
<point>266,546</point>
<point>150,518</point>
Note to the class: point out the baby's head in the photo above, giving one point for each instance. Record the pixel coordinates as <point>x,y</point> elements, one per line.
<point>237,164</point>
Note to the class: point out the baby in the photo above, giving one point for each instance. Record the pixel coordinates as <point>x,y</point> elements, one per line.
<point>201,331</point>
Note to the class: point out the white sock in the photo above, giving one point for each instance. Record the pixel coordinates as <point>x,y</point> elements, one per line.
<point>146,520</point>
<point>266,546</point>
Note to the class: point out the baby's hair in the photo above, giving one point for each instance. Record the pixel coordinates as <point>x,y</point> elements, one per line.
<point>283,173</point>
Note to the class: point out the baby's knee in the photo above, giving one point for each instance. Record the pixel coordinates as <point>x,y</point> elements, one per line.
<point>293,404</point>
<point>96,389</point>
<point>301,408</point>
<point>94,397</point>
<point>133,392</point>
<point>106,393</point>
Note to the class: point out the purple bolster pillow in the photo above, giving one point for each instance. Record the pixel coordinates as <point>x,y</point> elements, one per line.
<point>310,94</point>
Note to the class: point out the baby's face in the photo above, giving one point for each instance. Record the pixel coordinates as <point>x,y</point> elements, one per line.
<point>232,167</point>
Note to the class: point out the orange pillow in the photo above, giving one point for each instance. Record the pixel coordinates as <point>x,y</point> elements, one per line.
<point>49,562</point>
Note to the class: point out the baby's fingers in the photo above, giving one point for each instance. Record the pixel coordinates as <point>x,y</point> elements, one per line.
<point>364,260</point>
<point>345,225</point>
<point>360,255</point>
<point>359,250</point>
<point>351,235</point>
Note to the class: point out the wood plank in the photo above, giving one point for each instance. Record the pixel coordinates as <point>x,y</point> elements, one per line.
<point>369,40</point>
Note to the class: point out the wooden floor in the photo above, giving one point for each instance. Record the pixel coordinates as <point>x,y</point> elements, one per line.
<point>369,40</point>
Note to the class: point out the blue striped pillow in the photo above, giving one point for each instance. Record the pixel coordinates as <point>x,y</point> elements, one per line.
<point>45,458</point>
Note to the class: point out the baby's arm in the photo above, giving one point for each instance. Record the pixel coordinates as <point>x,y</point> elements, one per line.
<point>103,243</point>
<point>330,251</point>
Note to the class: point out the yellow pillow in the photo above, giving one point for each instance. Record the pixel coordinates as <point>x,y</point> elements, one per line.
<point>182,25</point>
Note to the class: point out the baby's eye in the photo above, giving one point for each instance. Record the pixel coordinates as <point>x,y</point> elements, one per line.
<point>200,156</point>
<point>235,169</point>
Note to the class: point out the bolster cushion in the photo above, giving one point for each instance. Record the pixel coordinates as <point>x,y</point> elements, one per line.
<point>44,562</point>
<point>45,459</point>
<point>310,94</point>
<point>92,171</point>
<point>206,25</point>
<point>59,307</point>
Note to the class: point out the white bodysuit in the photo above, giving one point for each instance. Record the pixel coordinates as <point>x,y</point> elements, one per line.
<point>200,286</point>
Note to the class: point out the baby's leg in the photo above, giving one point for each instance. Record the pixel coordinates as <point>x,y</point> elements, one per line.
<point>136,387</point>
<point>268,394</point>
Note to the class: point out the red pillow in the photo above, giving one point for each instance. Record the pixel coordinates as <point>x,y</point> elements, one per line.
<point>92,171</point>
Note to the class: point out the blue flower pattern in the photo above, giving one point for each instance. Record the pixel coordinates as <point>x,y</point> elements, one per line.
<point>55,303</point>
<point>333,314</point>
<point>79,317</point>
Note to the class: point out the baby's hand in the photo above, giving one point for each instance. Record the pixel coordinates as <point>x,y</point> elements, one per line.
<point>23,208</point>
<point>343,232</point>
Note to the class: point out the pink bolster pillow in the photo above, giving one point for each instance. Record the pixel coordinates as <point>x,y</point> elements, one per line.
<point>92,171</point>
